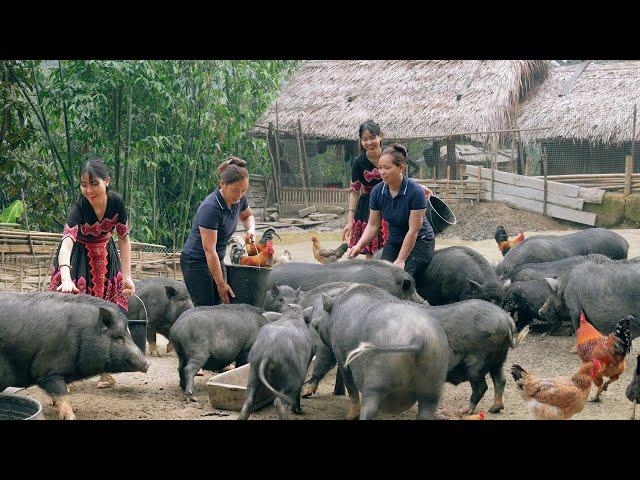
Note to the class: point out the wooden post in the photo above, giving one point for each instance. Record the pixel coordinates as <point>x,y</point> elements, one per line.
<point>628,170</point>
<point>494,163</point>
<point>274,166</point>
<point>544,166</point>
<point>451,152</point>
<point>279,179</point>
<point>304,155</point>
<point>304,181</point>
<point>633,140</point>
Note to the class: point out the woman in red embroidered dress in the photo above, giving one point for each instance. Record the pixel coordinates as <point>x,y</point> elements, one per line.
<point>365,176</point>
<point>87,260</point>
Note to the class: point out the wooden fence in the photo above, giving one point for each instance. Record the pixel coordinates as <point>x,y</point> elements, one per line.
<point>453,189</point>
<point>289,195</point>
<point>605,181</point>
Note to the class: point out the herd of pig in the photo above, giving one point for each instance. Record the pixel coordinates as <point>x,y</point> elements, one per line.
<point>395,340</point>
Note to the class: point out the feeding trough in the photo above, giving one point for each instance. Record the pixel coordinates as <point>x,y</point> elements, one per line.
<point>248,283</point>
<point>439,214</point>
<point>17,407</point>
<point>227,390</point>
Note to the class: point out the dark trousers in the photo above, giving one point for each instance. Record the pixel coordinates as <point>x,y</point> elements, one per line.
<point>419,257</point>
<point>200,284</point>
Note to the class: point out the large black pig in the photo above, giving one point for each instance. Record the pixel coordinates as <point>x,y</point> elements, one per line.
<point>405,351</point>
<point>553,269</point>
<point>546,248</point>
<point>479,335</point>
<point>606,292</point>
<point>51,339</point>
<point>165,300</point>
<point>213,337</point>
<point>372,272</point>
<point>524,300</point>
<point>458,273</point>
<point>279,361</point>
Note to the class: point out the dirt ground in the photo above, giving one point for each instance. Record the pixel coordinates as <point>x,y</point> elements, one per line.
<point>156,395</point>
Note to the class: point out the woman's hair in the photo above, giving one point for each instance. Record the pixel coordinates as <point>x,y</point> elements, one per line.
<point>368,126</point>
<point>398,152</point>
<point>95,168</point>
<point>233,170</point>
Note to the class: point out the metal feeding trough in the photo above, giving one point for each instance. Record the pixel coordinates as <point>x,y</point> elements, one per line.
<point>227,390</point>
<point>439,214</point>
<point>17,407</point>
<point>249,284</point>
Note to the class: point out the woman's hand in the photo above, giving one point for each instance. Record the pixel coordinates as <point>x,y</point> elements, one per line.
<point>399,263</point>
<point>128,287</point>
<point>67,286</point>
<point>353,251</point>
<point>250,235</point>
<point>225,291</point>
<point>346,231</point>
<point>427,192</point>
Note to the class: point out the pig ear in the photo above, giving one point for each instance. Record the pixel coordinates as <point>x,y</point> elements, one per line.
<point>327,303</point>
<point>553,283</point>
<point>474,285</point>
<point>105,318</point>
<point>406,285</point>
<point>170,291</point>
<point>307,314</point>
<point>271,316</point>
<point>275,290</point>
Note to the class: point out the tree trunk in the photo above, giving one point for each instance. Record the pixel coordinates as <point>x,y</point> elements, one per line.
<point>116,153</point>
<point>127,154</point>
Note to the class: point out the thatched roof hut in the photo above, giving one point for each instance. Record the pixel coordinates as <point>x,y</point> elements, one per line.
<point>410,99</point>
<point>597,108</point>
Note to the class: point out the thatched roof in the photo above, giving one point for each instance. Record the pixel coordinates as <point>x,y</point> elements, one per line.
<point>597,108</point>
<point>408,98</point>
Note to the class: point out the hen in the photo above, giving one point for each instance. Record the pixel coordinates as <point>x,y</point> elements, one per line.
<point>502,239</point>
<point>610,350</point>
<point>555,398</point>
<point>327,255</point>
<point>264,248</point>
<point>284,258</point>
<point>633,389</point>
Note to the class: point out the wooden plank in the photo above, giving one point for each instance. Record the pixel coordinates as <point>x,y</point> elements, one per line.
<point>555,211</point>
<point>628,170</point>
<point>523,181</point>
<point>579,69</point>
<point>533,194</point>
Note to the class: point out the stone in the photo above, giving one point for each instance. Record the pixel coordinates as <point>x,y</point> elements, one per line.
<point>336,209</point>
<point>320,217</point>
<point>306,211</point>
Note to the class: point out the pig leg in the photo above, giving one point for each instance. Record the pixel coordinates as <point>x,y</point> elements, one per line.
<point>499,382</point>
<point>181,365</point>
<point>190,371</point>
<point>151,339</point>
<point>322,364</point>
<point>478,389</point>
<point>296,408</point>
<point>354,395</point>
<point>338,388</point>
<point>370,406</point>
<point>427,408</point>
<point>281,409</point>
<point>170,347</point>
<point>247,406</point>
<point>56,387</point>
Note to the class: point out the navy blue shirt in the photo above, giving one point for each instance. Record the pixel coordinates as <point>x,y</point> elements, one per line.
<point>214,215</point>
<point>396,210</point>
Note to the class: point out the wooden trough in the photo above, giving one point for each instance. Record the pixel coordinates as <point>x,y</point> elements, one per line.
<point>227,390</point>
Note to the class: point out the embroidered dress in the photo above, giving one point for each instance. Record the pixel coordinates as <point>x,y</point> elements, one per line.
<point>95,264</point>
<point>365,176</point>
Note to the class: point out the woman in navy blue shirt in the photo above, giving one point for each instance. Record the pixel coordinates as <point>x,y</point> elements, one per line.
<point>214,223</point>
<point>402,203</point>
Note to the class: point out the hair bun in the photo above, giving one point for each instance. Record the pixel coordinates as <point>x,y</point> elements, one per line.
<point>237,161</point>
<point>400,148</point>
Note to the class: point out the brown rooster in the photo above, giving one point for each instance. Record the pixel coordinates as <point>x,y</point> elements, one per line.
<point>557,398</point>
<point>502,239</point>
<point>633,389</point>
<point>610,350</point>
<point>255,248</point>
<point>327,255</point>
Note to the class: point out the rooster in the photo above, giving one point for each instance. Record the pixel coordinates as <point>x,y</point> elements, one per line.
<point>327,255</point>
<point>502,239</point>
<point>557,398</point>
<point>610,350</point>
<point>255,248</point>
<point>633,389</point>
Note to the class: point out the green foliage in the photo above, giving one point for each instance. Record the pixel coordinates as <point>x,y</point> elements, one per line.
<point>161,126</point>
<point>12,213</point>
